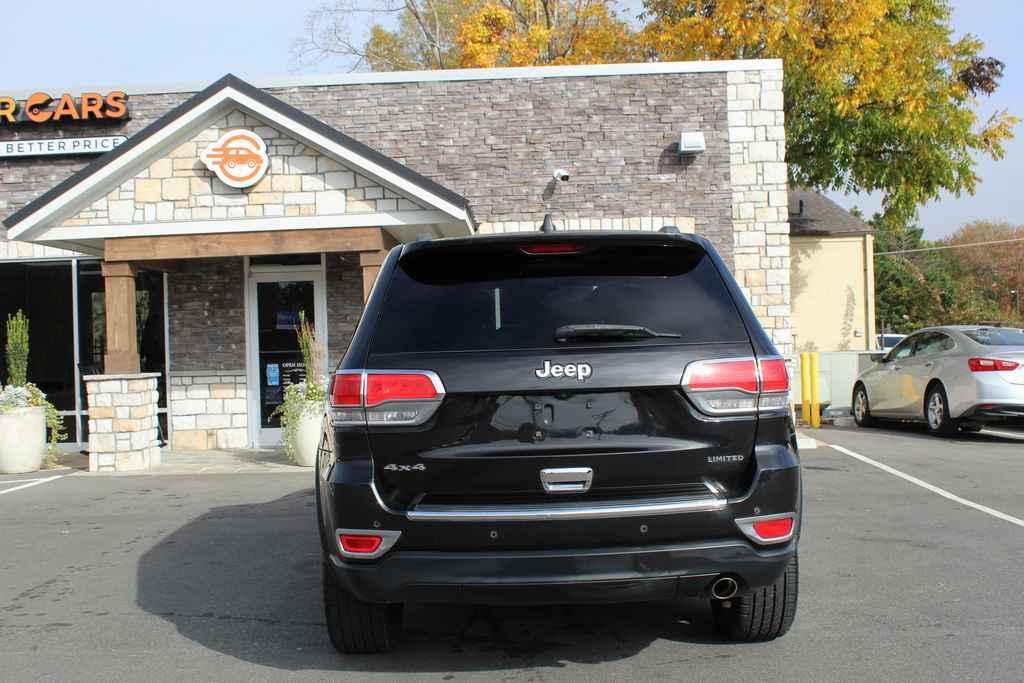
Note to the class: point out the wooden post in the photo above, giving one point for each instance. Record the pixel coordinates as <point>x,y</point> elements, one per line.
<point>122,354</point>
<point>370,261</point>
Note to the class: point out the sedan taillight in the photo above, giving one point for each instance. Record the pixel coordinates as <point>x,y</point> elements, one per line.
<point>385,397</point>
<point>991,365</point>
<point>738,385</point>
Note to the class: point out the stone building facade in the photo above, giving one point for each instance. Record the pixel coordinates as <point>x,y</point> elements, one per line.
<point>489,137</point>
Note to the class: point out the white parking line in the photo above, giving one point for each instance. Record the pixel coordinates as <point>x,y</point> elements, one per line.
<point>27,483</point>
<point>1009,435</point>
<point>930,487</point>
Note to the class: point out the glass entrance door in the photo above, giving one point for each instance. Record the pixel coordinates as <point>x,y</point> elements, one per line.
<point>276,300</point>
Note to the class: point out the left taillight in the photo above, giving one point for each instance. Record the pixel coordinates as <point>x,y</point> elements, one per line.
<point>385,397</point>
<point>733,386</point>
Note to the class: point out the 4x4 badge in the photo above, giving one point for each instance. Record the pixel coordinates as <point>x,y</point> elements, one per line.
<point>580,371</point>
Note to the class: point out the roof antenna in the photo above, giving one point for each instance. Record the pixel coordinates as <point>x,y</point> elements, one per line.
<point>669,230</point>
<point>547,226</point>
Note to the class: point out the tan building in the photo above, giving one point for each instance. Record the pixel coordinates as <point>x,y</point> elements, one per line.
<point>832,276</point>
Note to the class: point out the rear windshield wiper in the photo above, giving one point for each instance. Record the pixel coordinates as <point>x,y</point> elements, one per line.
<point>605,331</point>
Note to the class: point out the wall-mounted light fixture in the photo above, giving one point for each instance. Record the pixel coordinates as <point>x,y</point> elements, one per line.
<point>691,144</point>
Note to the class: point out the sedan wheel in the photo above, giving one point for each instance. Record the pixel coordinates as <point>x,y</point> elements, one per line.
<point>861,408</point>
<point>937,412</point>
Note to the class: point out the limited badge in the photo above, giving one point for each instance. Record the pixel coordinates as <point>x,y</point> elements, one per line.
<point>239,158</point>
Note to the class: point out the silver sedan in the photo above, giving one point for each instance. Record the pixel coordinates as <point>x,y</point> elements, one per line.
<point>952,377</point>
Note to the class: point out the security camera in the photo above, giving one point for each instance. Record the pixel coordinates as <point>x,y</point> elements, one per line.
<point>561,174</point>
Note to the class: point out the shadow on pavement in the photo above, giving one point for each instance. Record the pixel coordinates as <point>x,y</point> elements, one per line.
<point>244,581</point>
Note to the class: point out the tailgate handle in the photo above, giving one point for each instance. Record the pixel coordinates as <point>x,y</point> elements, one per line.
<point>566,479</point>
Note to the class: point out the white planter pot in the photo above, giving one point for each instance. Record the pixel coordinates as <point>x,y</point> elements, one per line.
<point>22,440</point>
<point>307,436</point>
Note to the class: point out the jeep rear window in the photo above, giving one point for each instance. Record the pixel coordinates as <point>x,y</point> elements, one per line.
<point>497,297</point>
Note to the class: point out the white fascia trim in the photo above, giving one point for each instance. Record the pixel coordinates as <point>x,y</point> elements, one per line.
<point>156,141</point>
<point>364,78</point>
<point>228,225</point>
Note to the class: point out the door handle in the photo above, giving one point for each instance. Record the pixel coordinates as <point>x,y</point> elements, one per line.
<point>566,479</point>
<point>896,367</point>
<point>929,364</point>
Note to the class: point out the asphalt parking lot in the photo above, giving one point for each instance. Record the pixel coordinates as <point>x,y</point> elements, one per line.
<point>215,577</point>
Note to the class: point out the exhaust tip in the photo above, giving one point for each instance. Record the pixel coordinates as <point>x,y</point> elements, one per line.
<point>724,588</point>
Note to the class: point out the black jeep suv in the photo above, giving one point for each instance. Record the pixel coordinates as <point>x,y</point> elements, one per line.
<point>558,418</point>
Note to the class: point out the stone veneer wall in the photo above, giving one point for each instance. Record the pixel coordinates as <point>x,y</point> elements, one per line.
<point>760,217</point>
<point>122,422</point>
<point>497,142</point>
<point>206,316</point>
<point>300,182</point>
<point>208,410</point>
<point>344,303</point>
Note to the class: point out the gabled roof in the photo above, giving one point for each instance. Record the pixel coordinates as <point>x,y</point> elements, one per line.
<point>811,213</point>
<point>229,92</point>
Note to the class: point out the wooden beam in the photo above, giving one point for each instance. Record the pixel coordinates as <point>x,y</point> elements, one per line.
<point>122,353</point>
<point>370,262</point>
<point>162,248</point>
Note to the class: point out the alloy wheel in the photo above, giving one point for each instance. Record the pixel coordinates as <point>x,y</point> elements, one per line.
<point>936,411</point>
<point>860,407</point>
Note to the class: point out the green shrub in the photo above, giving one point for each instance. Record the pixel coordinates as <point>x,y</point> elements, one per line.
<point>17,349</point>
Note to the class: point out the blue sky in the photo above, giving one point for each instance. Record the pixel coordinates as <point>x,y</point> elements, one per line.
<point>67,45</point>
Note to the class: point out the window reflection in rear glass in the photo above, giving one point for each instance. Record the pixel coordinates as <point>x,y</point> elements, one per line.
<point>997,336</point>
<point>503,299</point>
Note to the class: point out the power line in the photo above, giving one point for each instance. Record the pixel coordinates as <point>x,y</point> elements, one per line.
<point>949,246</point>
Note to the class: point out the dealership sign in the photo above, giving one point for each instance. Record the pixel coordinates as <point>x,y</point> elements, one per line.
<point>40,107</point>
<point>49,147</point>
<point>238,157</point>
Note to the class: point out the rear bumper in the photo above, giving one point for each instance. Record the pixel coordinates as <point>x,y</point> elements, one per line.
<point>996,413</point>
<point>561,576</point>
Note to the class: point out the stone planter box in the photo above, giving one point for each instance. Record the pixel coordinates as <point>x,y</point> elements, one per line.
<point>22,440</point>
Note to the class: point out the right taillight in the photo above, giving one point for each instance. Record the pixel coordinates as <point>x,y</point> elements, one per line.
<point>738,385</point>
<point>385,397</point>
<point>991,365</point>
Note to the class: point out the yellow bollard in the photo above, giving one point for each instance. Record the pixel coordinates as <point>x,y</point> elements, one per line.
<point>805,387</point>
<point>815,406</point>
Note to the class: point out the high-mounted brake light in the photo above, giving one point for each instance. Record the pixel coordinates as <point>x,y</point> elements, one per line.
<point>991,365</point>
<point>768,528</point>
<point>542,248</point>
<point>738,385</point>
<point>385,397</point>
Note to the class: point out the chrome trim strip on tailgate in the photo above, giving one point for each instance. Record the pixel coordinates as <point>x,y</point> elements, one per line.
<point>558,511</point>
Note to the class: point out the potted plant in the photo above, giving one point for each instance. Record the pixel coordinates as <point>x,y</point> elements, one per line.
<point>25,414</point>
<point>302,411</point>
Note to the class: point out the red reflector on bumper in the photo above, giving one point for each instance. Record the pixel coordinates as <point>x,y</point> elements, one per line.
<point>768,528</point>
<point>360,545</point>
<point>774,528</point>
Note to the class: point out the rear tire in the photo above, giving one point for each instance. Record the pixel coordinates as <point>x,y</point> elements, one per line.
<point>862,408</point>
<point>936,412</point>
<point>762,614</point>
<point>354,626</point>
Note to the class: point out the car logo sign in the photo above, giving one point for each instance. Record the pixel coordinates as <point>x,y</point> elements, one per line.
<point>578,371</point>
<point>238,158</point>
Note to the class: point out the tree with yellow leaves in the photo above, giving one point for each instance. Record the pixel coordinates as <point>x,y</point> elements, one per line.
<point>531,32</point>
<point>878,94</point>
